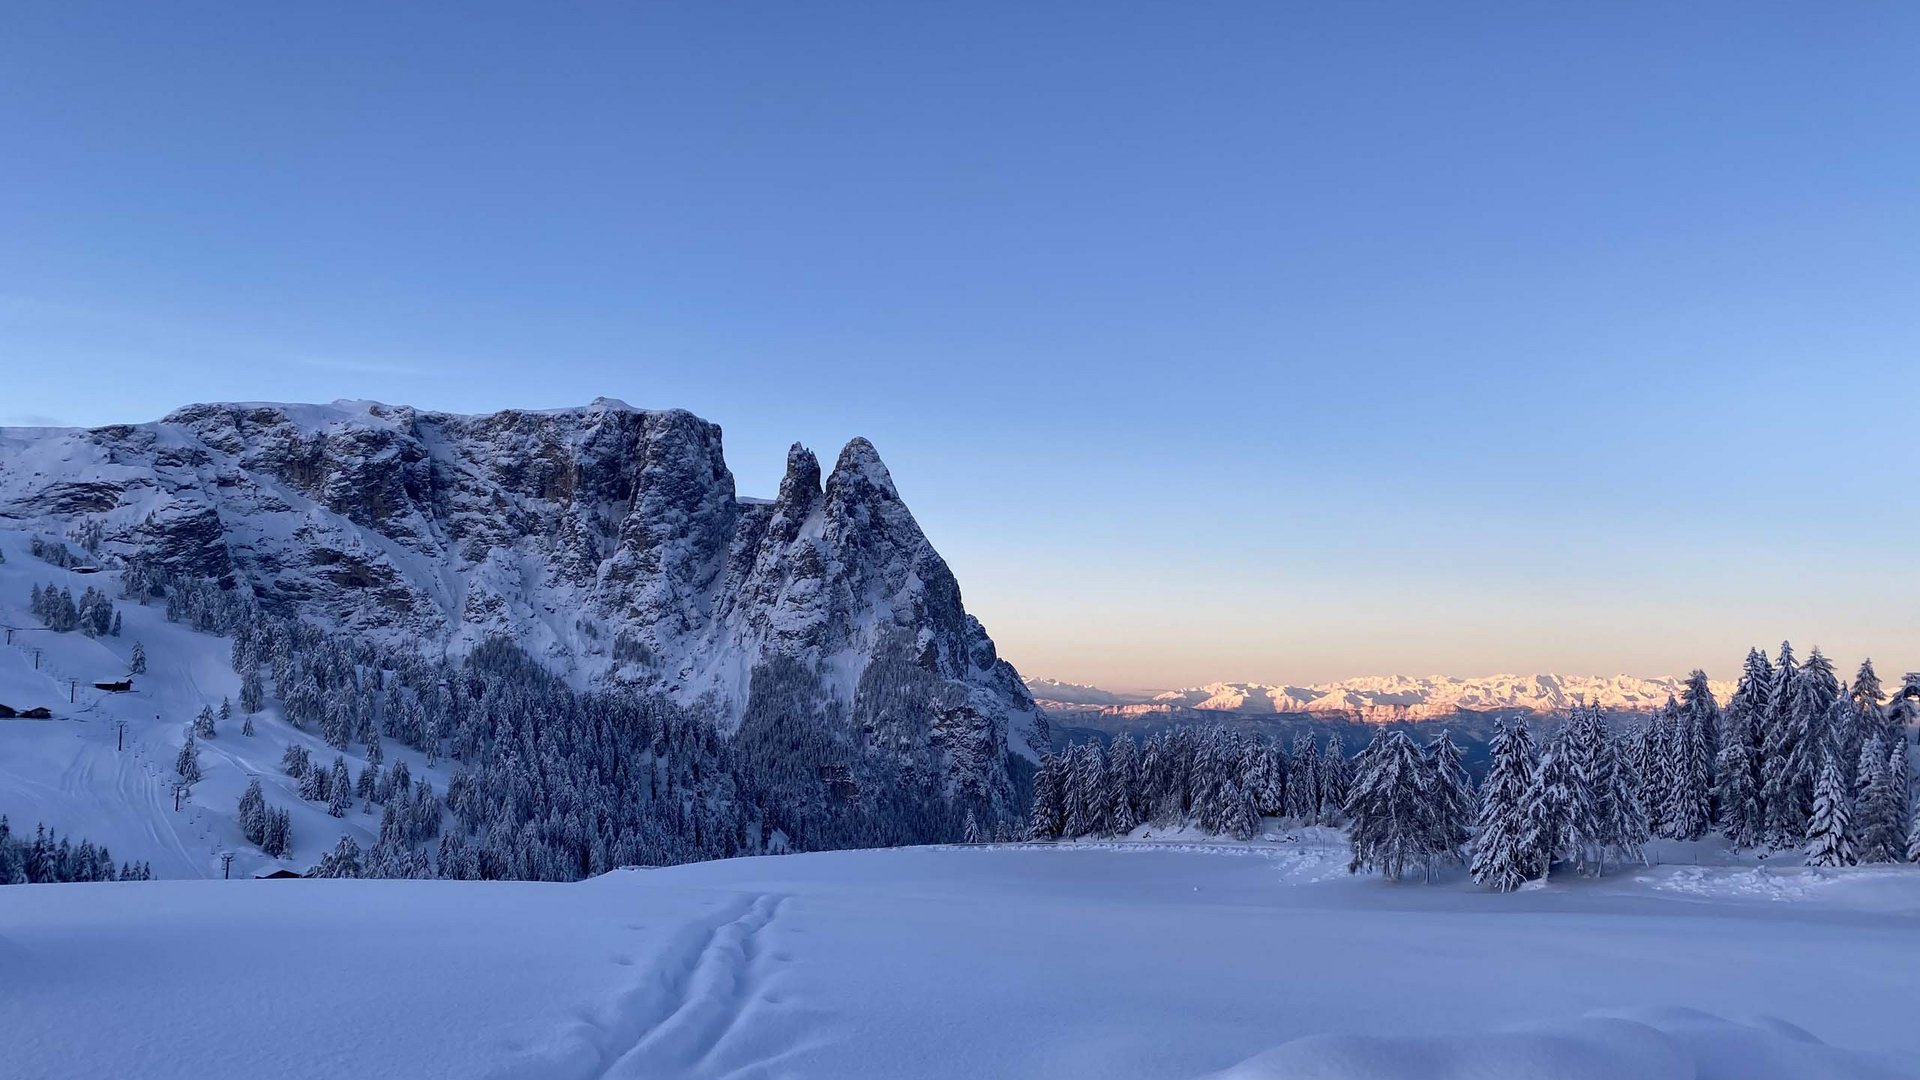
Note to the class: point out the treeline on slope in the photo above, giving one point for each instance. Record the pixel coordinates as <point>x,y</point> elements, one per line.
<point>49,857</point>
<point>1797,758</point>
<point>1215,778</point>
<point>555,784</point>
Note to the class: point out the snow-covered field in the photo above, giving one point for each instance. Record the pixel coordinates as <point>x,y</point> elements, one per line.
<point>1109,961</point>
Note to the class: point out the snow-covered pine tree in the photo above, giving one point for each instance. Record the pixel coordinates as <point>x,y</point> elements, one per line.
<point>1501,861</point>
<point>337,721</point>
<point>1829,828</point>
<point>252,693</point>
<point>1264,777</point>
<point>1899,777</point>
<point>1627,832</point>
<point>1653,764</point>
<point>1869,700</point>
<point>1153,783</point>
<point>137,664</point>
<point>187,763</point>
<point>295,761</point>
<point>342,862</point>
<point>1648,760</point>
<point>1211,789</point>
<point>252,816</point>
<point>246,726</point>
<point>203,723</point>
<point>1879,820</point>
<point>1549,807</point>
<point>1453,808</point>
<point>1303,780</point>
<point>1687,811</point>
<point>1390,811</point>
<point>1086,808</point>
<point>1049,814</point>
<point>1697,700</point>
<point>970,832</point>
<point>1590,767</point>
<point>339,789</point>
<point>1335,775</point>
<point>313,783</point>
<point>1787,755</point>
<point>1122,791</point>
<point>279,841</point>
<point>1903,711</point>
<point>1737,773</point>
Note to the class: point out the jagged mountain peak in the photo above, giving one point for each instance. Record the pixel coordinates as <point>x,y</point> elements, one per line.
<point>859,472</point>
<point>606,540</point>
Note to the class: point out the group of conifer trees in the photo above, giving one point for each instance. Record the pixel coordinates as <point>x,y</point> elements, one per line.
<point>1214,778</point>
<point>49,857</point>
<point>92,614</point>
<point>1798,758</point>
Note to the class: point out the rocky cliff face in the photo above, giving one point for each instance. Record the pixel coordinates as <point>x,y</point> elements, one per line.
<point>606,540</point>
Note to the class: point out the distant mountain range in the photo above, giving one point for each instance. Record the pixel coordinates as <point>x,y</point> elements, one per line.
<point>1372,699</point>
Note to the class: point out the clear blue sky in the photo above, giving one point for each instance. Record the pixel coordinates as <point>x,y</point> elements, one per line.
<point>1268,340</point>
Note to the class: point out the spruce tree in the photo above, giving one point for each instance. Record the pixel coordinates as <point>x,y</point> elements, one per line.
<point>1122,785</point>
<point>1869,700</point>
<point>339,789</point>
<point>1548,808</point>
<point>252,817</point>
<point>1501,859</point>
<point>1453,808</point>
<point>1303,780</point>
<point>342,862</point>
<point>1335,775</point>
<point>187,764</point>
<point>1686,812</point>
<point>1390,811</point>
<point>1086,809</point>
<point>137,665</point>
<point>1651,765</point>
<point>1788,757</point>
<point>1264,777</point>
<point>1049,814</point>
<point>1829,842</point>
<point>1879,820</point>
<point>1739,783</point>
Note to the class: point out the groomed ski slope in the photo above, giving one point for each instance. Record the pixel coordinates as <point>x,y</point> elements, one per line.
<point>1111,962</point>
<point>72,774</point>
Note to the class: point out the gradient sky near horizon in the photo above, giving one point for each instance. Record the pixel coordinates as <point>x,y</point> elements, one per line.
<point>1231,341</point>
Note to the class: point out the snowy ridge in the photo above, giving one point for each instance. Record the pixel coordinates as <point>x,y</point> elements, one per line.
<point>1386,698</point>
<point>608,541</point>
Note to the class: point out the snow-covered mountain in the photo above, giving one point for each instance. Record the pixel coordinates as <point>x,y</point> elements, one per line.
<point>608,541</point>
<point>1383,698</point>
<point>1053,691</point>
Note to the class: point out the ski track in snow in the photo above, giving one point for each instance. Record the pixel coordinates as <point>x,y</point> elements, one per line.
<point>677,1021</point>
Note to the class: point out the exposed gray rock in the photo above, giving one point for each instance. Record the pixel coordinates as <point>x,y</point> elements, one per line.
<point>608,541</point>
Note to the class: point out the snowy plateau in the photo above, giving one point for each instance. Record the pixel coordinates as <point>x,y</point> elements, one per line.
<point>608,543</point>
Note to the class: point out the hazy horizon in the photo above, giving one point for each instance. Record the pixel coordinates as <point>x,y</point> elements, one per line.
<point>1277,343</point>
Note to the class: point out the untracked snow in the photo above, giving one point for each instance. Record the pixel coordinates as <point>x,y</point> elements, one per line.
<point>1117,961</point>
